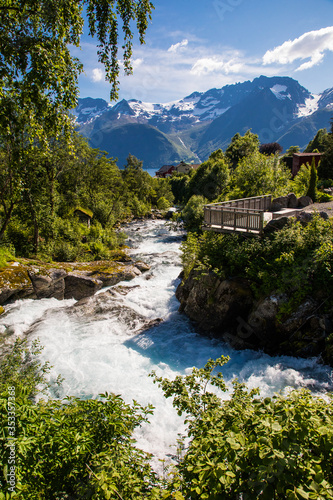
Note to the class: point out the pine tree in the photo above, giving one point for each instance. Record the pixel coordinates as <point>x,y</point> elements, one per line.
<point>312,189</point>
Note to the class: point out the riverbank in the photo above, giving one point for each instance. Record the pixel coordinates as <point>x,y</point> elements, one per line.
<point>272,293</point>
<point>227,309</point>
<point>34,279</point>
<point>30,279</point>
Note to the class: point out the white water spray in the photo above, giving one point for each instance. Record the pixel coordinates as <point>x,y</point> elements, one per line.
<point>103,353</point>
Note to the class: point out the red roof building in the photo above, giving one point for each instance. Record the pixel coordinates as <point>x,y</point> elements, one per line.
<point>165,171</point>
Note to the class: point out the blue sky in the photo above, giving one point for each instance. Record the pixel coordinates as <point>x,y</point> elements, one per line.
<point>195,45</point>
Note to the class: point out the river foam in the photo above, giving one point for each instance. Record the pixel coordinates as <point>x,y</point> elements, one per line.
<point>100,354</point>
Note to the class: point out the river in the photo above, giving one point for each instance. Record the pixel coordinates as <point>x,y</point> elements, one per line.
<point>102,353</point>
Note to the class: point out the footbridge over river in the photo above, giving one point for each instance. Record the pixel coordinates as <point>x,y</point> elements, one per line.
<point>246,215</point>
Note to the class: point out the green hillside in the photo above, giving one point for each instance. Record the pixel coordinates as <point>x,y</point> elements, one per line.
<point>145,142</point>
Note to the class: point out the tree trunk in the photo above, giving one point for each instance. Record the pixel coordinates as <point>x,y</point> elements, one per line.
<point>5,223</point>
<point>35,220</point>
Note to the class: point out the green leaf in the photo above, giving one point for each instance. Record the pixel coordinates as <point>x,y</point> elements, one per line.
<point>178,496</point>
<point>302,493</point>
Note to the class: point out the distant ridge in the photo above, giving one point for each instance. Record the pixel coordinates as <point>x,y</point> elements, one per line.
<point>277,109</point>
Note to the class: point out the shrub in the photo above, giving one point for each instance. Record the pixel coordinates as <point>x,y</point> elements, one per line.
<point>284,261</point>
<point>211,179</point>
<point>193,213</point>
<point>258,174</point>
<point>65,251</point>
<point>98,250</point>
<point>312,189</point>
<point>139,208</point>
<point>162,203</point>
<point>19,235</point>
<point>69,448</point>
<point>323,197</point>
<point>300,184</point>
<point>249,447</point>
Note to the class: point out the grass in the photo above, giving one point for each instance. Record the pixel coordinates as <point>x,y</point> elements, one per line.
<point>5,257</point>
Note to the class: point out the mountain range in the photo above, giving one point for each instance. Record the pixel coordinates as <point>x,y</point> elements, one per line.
<point>278,109</point>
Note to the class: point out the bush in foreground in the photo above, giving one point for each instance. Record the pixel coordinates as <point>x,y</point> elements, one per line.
<point>241,448</point>
<point>248,447</point>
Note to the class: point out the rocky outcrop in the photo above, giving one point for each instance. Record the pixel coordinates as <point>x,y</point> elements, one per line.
<point>214,304</point>
<point>303,217</point>
<point>15,284</point>
<point>227,309</point>
<point>77,285</point>
<point>67,280</point>
<point>290,201</point>
<point>49,283</point>
<point>304,201</point>
<point>107,306</point>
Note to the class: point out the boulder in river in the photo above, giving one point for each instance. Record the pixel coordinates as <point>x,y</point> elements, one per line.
<point>78,285</point>
<point>109,306</point>
<point>49,283</point>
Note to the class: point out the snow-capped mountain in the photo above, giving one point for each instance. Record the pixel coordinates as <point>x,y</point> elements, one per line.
<point>204,121</point>
<point>88,109</point>
<point>199,106</point>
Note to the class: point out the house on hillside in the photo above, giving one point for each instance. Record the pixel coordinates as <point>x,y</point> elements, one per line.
<point>84,215</point>
<point>184,168</point>
<point>299,159</point>
<point>165,171</point>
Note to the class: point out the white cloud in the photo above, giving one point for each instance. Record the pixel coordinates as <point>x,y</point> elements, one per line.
<point>216,64</point>
<point>311,46</point>
<point>178,46</point>
<point>97,75</point>
<point>207,65</point>
<point>136,63</point>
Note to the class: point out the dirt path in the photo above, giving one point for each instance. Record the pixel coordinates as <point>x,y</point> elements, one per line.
<point>321,207</point>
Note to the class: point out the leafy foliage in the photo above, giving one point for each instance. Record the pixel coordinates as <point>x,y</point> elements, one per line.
<point>270,148</point>
<point>243,446</point>
<point>325,170</point>
<point>257,174</point>
<point>292,149</point>
<point>242,146</point>
<point>318,142</point>
<point>35,38</point>
<point>292,260</point>
<point>71,448</point>
<point>312,190</point>
<point>211,178</point>
<point>42,220</point>
<point>193,213</point>
<point>5,257</point>
<point>38,87</point>
<point>249,447</point>
<point>300,183</point>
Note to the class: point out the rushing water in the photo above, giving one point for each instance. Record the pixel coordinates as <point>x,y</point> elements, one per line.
<point>103,353</point>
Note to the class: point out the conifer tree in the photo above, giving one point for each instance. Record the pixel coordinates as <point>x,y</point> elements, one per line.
<point>312,189</point>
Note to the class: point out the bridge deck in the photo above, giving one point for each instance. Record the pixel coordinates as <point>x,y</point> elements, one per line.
<point>237,216</point>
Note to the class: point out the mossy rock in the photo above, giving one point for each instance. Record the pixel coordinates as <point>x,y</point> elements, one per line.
<point>14,276</point>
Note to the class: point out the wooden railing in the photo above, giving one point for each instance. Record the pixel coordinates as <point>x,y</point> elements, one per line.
<point>256,202</point>
<point>244,215</point>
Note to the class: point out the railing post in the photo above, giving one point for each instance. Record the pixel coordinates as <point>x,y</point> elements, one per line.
<point>261,223</point>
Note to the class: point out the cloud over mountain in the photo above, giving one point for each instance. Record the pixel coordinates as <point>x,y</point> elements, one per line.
<point>311,46</point>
